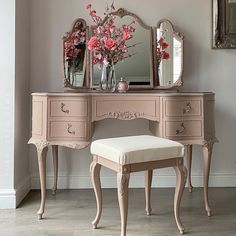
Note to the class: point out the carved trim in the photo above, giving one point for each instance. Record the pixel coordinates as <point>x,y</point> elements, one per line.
<point>124,115</point>
<point>210,142</point>
<point>121,12</point>
<point>75,145</point>
<point>178,83</point>
<point>76,24</point>
<point>40,144</point>
<point>122,181</point>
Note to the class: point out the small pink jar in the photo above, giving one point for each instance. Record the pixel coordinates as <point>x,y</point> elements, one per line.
<point>122,85</point>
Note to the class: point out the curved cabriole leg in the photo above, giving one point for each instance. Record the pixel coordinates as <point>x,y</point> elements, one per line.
<point>189,166</point>
<point>207,153</point>
<point>122,190</point>
<point>181,175</point>
<point>95,174</point>
<point>55,166</point>
<point>148,185</point>
<point>42,153</point>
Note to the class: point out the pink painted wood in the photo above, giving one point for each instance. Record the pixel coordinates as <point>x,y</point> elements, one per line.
<point>123,175</point>
<point>67,119</point>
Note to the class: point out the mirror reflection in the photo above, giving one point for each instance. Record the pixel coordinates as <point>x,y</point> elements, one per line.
<point>136,68</point>
<point>169,55</point>
<point>75,58</point>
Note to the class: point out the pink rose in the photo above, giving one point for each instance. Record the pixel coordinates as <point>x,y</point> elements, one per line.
<point>165,45</point>
<point>110,44</point>
<point>126,35</point>
<point>166,55</point>
<point>93,43</point>
<point>93,13</point>
<point>112,28</point>
<point>89,6</point>
<point>95,60</point>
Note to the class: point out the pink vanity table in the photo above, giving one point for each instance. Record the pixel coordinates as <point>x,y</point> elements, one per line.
<point>68,119</point>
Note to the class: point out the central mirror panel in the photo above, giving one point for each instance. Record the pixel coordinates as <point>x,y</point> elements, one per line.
<point>137,67</point>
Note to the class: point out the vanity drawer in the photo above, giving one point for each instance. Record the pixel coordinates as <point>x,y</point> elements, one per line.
<point>67,129</point>
<point>188,128</point>
<point>186,107</point>
<point>68,108</point>
<point>125,107</point>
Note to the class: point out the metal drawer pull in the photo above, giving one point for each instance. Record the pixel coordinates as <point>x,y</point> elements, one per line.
<point>62,108</point>
<point>188,108</point>
<point>181,129</point>
<point>69,129</point>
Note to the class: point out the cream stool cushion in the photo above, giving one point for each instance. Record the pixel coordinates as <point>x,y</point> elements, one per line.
<point>136,149</point>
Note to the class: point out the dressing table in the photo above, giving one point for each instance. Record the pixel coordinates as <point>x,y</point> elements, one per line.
<point>68,119</point>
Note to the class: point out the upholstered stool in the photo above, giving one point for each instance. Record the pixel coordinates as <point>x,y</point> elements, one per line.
<point>131,154</point>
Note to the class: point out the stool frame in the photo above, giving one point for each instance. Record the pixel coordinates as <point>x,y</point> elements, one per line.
<point>123,175</point>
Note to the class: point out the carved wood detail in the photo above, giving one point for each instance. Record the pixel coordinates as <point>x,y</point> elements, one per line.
<point>125,115</point>
<point>40,144</point>
<point>76,145</point>
<point>210,142</point>
<point>122,181</point>
<point>121,12</point>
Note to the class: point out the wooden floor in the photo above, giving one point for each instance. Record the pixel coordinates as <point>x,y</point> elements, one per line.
<point>70,213</point>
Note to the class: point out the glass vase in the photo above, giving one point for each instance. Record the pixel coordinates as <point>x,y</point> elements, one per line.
<point>108,78</point>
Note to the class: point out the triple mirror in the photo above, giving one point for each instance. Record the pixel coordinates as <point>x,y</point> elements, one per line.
<point>154,62</point>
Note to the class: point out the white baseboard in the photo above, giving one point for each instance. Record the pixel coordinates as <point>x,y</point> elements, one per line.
<point>7,198</point>
<point>136,181</point>
<point>11,198</point>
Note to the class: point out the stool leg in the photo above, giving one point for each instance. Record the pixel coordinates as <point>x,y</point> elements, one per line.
<point>95,174</point>
<point>189,165</point>
<point>55,167</point>
<point>148,185</point>
<point>123,183</point>
<point>181,175</point>
<point>207,153</point>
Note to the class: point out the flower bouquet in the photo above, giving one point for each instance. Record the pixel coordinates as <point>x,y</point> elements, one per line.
<point>161,52</point>
<point>109,44</point>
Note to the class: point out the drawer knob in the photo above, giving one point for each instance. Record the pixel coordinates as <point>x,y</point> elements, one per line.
<point>181,129</point>
<point>69,126</point>
<point>63,109</point>
<point>188,108</point>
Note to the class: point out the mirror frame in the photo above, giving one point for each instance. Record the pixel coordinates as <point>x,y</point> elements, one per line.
<point>87,59</point>
<point>221,39</point>
<point>121,12</point>
<point>180,38</point>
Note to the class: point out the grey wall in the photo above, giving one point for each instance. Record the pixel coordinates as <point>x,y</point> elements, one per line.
<point>204,70</point>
